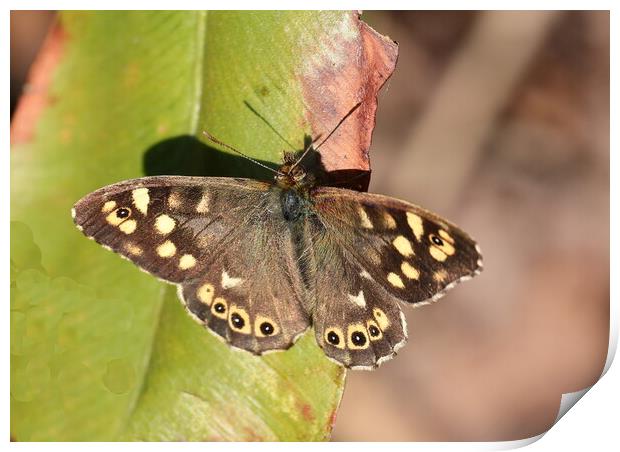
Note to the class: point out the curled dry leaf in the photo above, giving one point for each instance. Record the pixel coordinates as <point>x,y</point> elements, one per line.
<point>346,65</point>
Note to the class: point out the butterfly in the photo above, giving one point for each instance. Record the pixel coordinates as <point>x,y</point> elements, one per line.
<point>258,263</point>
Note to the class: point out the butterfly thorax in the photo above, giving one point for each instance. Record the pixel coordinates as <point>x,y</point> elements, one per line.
<point>294,183</point>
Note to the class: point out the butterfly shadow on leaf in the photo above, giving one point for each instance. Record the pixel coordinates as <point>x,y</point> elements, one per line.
<point>185,155</point>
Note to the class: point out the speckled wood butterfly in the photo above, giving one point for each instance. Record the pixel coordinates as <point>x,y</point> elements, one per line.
<point>258,263</point>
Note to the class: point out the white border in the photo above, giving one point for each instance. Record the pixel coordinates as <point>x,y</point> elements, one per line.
<point>592,423</point>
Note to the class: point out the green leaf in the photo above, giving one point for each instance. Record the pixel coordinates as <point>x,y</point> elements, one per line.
<point>100,350</point>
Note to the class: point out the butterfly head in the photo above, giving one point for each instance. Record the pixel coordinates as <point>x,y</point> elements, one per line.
<point>291,174</point>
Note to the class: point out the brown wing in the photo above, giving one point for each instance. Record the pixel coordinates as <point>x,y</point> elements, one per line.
<point>380,250</point>
<point>215,238</point>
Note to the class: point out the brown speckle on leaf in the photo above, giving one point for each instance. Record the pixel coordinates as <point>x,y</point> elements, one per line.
<point>307,413</point>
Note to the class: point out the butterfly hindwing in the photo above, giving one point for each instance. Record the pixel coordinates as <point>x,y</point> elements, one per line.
<point>356,321</point>
<point>205,236</point>
<point>251,295</point>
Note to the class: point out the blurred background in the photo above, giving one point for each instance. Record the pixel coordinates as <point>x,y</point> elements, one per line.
<point>524,97</point>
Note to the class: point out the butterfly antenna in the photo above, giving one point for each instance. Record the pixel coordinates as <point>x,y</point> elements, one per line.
<point>327,137</point>
<point>227,146</point>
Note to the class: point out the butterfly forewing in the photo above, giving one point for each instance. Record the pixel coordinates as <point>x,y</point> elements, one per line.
<point>169,226</point>
<point>413,254</point>
<point>205,235</point>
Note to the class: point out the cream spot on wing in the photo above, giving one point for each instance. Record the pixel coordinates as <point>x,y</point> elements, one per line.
<point>187,261</point>
<point>164,224</point>
<point>358,299</point>
<point>203,204</point>
<point>108,206</point>
<point>141,199</point>
<point>415,223</point>
<point>113,219</point>
<point>132,249</point>
<point>409,271</point>
<point>128,226</point>
<point>365,274</point>
<point>366,223</point>
<point>445,246</point>
<point>229,282</point>
<point>403,246</point>
<point>205,294</point>
<point>389,221</point>
<point>395,280</point>
<point>73,212</point>
<point>381,318</point>
<point>437,254</point>
<point>440,275</point>
<point>174,200</point>
<point>444,235</point>
<point>204,240</point>
<point>166,249</point>
<point>373,256</point>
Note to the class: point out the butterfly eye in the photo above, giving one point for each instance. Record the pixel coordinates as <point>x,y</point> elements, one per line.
<point>220,308</point>
<point>298,174</point>
<point>123,212</point>
<point>373,331</point>
<point>237,321</point>
<point>358,339</point>
<point>436,240</point>
<point>266,328</point>
<point>334,337</point>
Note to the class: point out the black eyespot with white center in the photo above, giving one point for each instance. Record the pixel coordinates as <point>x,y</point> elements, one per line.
<point>358,338</point>
<point>236,320</point>
<point>123,212</point>
<point>436,240</point>
<point>220,308</point>
<point>374,331</point>
<point>333,338</point>
<point>266,328</point>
